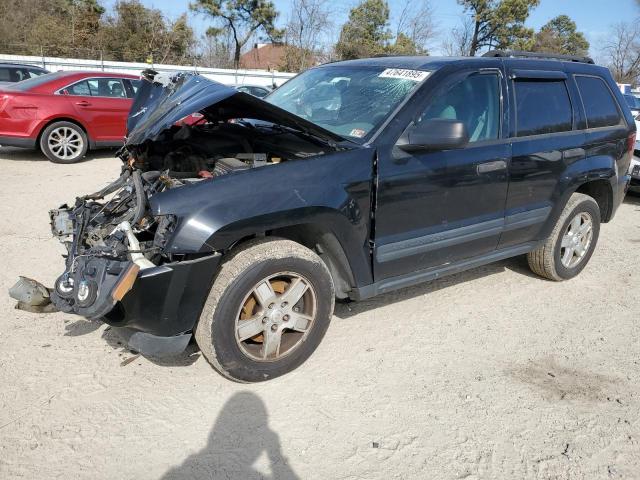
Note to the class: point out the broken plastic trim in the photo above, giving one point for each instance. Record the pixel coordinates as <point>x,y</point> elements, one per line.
<point>32,296</point>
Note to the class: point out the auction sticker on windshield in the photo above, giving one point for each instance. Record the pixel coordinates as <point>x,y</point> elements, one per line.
<point>414,75</point>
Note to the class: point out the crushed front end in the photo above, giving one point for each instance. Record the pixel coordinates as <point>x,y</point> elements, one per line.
<point>129,260</point>
<point>116,269</point>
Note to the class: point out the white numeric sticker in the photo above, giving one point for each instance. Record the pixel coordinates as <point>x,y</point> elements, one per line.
<point>413,75</point>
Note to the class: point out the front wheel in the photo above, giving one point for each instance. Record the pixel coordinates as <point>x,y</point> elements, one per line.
<point>64,142</point>
<point>572,242</point>
<point>268,310</point>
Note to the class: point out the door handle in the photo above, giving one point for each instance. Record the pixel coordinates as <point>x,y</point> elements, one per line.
<point>83,103</point>
<point>494,166</point>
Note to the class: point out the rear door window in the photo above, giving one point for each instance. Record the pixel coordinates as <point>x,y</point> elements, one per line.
<point>542,107</point>
<point>5,75</point>
<point>132,86</point>
<point>599,104</point>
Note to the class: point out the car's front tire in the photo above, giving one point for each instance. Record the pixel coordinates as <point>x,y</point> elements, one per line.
<point>64,142</point>
<point>569,247</point>
<point>268,310</point>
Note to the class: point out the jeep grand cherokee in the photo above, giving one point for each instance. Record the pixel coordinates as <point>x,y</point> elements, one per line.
<point>353,179</point>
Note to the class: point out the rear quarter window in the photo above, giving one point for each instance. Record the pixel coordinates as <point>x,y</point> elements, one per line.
<point>542,107</point>
<point>599,104</point>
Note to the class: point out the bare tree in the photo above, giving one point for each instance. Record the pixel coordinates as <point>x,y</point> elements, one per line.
<point>216,50</point>
<point>244,19</point>
<point>308,24</point>
<point>621,52</point>
<point>416,23</point>
<point>458,42</point>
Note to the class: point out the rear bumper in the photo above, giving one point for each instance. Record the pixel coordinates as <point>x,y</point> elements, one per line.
<point>165,301</point>
<point>23,142</point>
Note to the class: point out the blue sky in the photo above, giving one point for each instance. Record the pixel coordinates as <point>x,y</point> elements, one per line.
<point>593,17</point>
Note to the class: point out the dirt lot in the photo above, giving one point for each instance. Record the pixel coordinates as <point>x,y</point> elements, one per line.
<point>493,373</point>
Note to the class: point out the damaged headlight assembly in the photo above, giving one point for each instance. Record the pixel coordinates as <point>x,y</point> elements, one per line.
<point>109,238</point>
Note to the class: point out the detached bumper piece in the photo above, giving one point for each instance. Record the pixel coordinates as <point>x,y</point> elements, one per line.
<point>152,345</point>
<point>32,296</point>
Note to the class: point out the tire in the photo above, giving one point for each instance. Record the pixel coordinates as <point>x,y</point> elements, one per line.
<point>236,293</point>
<point>556,262</point>
<point>64,142</point>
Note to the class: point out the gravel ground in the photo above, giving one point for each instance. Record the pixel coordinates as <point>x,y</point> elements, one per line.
<point>493,373</point>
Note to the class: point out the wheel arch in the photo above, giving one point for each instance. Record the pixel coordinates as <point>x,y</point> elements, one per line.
<point>325,243</point>
<point>594,176</point>
<point>602,192</point>
<point>321,240</point>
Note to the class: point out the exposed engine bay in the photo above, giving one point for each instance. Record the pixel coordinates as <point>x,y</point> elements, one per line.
<point>182,131</point>
<point>110,235</point>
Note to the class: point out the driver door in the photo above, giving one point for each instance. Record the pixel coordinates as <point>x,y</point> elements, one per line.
<point>439,207</point>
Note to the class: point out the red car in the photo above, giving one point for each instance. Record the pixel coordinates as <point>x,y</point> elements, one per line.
<point>66,113</point>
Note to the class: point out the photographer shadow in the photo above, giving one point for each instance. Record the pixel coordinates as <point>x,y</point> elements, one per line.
<point>238,439</point>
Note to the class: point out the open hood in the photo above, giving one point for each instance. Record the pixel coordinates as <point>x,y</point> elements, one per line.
<point>164,99</point>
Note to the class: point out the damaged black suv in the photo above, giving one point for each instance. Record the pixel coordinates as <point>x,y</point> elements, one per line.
<point>241,226</point>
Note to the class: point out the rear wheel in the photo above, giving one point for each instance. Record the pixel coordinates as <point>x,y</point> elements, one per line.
<point>267,311</point>
<point>572,242</point>
<point>64,142</point>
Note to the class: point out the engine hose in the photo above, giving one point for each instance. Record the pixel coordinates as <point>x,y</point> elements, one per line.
<point>141,199</point>
<point>151,176</point>
<point>112,187</point>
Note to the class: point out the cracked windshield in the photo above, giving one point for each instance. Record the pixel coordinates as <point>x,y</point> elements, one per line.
<point>349,101</point>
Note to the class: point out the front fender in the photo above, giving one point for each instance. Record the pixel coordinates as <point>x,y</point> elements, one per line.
<point>332,190</point>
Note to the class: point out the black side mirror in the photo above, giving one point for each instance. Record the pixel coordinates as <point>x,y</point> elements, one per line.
<point>434,134</point>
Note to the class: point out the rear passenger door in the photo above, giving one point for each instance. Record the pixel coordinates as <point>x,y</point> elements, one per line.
<point>547,137</point>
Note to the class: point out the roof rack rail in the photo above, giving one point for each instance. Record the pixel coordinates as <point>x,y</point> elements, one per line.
<point>542,56</point>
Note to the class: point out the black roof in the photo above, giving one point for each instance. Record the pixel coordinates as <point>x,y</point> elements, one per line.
<point>434,63</point>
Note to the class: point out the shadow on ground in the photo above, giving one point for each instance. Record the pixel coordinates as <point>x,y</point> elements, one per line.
<point>237,442</point>
<point>31,155</point>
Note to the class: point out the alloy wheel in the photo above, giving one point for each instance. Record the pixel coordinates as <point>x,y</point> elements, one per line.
<point>576,240</point>
<point>276,316</point>
<point>65,143</point>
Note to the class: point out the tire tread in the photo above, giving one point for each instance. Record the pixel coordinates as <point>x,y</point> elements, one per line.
<point>252,252</point>
<point>542,259</point>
